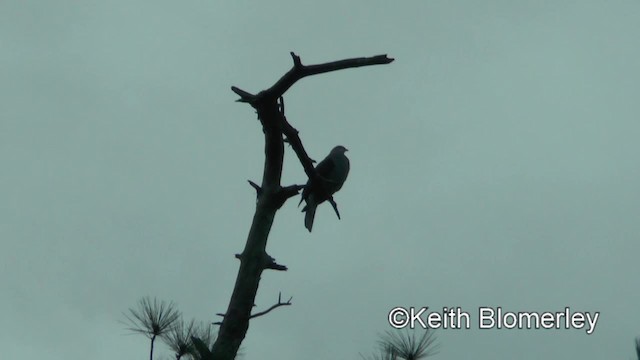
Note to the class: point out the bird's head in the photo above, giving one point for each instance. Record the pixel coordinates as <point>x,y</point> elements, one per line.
<point>339,150</point>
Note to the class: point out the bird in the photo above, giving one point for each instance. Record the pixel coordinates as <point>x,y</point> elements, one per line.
<point>333,171</point>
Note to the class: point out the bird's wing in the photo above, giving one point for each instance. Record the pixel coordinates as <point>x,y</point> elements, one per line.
<point>325,167</point>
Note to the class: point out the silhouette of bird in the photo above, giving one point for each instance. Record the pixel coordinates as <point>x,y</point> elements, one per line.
<point>333,171</point>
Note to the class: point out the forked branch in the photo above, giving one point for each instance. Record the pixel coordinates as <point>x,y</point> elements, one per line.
<point>299,71</point>
<point>278,304</point>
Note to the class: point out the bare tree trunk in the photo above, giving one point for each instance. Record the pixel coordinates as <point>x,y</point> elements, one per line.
<point>254,258</point>
<point>271,196</point>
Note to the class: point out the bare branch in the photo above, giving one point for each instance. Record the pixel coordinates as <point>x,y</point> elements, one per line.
<point>297,63</point>
<point>280,303</point>
<point>277,267</point>
<point>219,322</point>
<point>286,193</point>
<point>291,190</point>
<point>257,187</point>
<point>299,71</point>
<point>271,263</point>
<point>244,96</point>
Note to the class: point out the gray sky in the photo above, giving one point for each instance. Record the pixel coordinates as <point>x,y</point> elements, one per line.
<point>494,163</point>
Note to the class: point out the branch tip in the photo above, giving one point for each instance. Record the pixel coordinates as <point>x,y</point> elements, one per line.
<point>276,267</point>
<point>245,96</point>
<point>296,60</point>
<point>257,187</point>
<point>270,263</point>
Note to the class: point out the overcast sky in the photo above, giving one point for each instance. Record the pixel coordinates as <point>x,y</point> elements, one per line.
<point>494,163</point>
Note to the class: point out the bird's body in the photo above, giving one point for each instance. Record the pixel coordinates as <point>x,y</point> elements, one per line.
<point>333,171</point>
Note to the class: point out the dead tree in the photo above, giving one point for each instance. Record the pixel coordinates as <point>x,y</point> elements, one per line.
<point>271,195</point>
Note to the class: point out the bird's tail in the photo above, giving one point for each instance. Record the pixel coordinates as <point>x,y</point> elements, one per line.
<point>310,213</point>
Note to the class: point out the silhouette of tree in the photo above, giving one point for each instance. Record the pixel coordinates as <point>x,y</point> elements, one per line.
<point>179,338</point>
<point>398,344</point>
<point>152,319</point>
<point>271,195</point>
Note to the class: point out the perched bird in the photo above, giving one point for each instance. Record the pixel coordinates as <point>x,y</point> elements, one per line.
<point>333,171</point>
